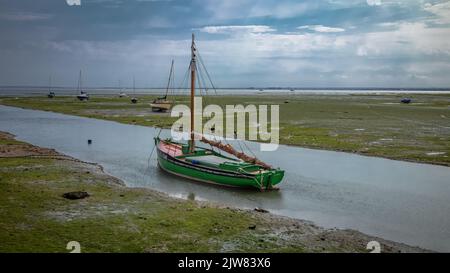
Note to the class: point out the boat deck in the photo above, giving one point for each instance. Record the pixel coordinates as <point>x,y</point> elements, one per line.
<point>209,159</point>
<point>170,149</point>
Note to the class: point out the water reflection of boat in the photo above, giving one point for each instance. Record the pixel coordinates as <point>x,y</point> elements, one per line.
<point>162,104</point>
<point>210,166</point>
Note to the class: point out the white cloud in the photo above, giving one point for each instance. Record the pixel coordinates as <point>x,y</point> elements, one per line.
<point>373,2</point>
<point>321,28</point>
<point>441,11</point>
<point>234,29</point>
<point>313,58</point>
<point>409,38</point>
<point>413,39</point>
<point>280,10</point>
<point>73,2</point>
<point>234,9</point>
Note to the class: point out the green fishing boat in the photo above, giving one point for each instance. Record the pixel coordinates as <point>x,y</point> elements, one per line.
<point>207,165</point>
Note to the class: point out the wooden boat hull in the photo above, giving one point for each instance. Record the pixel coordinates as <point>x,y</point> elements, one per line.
<point>263,181</point>
<point>160,107</point>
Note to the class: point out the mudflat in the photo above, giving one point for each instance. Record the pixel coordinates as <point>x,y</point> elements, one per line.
<point>370,124</point>
<point>35,217</point>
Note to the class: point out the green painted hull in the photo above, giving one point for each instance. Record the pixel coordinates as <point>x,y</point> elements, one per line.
<point>263,181</point>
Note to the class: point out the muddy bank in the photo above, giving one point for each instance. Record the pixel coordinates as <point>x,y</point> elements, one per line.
<point>35,217</point>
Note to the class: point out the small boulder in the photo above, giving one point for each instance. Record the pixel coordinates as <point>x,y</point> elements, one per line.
<point>261,210</point>
<point>76,195</point>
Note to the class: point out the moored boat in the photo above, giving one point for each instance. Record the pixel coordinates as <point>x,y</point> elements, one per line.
<point>162,104</point>
<point>206,165</point>
<point>134,100</point>
<point>406,100</point>
<point>50,93</point>
<point>82,96</point>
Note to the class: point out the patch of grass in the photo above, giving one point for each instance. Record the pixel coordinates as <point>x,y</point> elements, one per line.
<point>35,218</point>
<point>32,205</point>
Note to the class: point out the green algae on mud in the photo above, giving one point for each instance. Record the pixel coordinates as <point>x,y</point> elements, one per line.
<point>34,217</point>
<point>374,125</point>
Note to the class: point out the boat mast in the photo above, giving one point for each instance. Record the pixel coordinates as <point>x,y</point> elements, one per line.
<point>80,88</point>
<point>193,68</point>
<point>49,84</point>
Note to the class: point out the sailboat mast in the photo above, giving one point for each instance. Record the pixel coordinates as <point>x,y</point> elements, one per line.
<point>80,85</point>
<point>193,68</point>
<point>49,83</point>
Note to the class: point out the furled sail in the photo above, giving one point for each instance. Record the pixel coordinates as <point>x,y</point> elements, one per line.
<point>229,149</point>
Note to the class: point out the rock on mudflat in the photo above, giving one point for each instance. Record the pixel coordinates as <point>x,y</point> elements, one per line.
<point>76,195</point>
<point>260,210</point>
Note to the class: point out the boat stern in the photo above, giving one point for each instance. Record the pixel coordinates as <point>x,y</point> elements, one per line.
<point>276,177</point>
<point>268,179</point>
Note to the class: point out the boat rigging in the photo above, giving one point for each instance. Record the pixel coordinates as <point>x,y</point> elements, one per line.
<point>206,165</point>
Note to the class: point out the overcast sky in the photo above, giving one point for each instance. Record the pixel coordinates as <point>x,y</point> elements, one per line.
<point>332,43</point>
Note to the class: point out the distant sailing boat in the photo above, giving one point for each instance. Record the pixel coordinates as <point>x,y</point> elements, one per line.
<point>82,94</point>
<point>134,99</point>
<point>162,104</point>
<point>206,165</point>
<point>122,93</point>
<point>50,94</point>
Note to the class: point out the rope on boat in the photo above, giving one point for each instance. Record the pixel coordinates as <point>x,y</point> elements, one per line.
<point>261,180</point>
<point>202,87</point>
<point>185,77</point>
<point>206,71</point>
<point>149,157</point>
<point>202,65</point>
<point>229,149</point>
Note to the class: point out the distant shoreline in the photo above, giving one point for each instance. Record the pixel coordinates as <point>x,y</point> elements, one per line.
<point>67,91</point>
<point>241,88</point>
